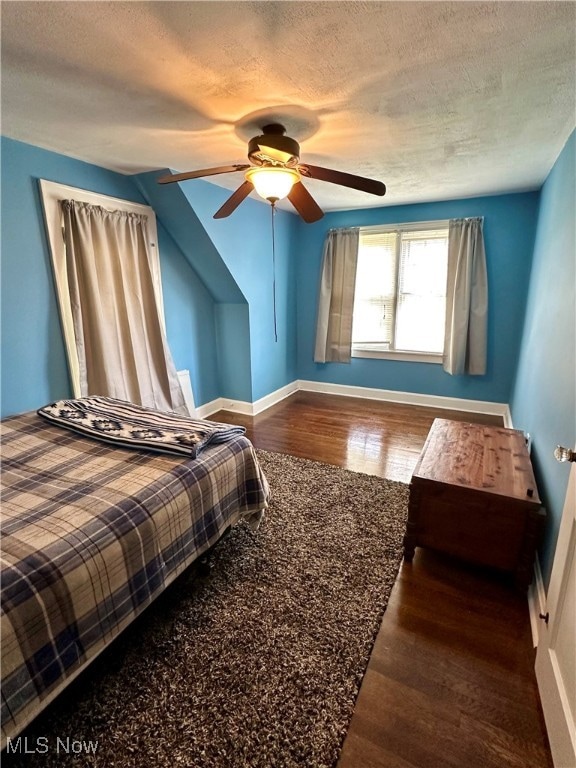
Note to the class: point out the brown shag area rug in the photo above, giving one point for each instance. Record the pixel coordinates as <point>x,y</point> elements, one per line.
<point>258,665</point>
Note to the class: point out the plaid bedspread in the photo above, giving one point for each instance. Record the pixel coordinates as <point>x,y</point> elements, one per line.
<point>90,536</point>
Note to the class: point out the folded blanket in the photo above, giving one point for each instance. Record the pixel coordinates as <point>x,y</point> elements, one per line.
<point>132,426</point>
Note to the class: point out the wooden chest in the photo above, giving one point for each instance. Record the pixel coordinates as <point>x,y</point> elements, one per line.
<point>473,495</point>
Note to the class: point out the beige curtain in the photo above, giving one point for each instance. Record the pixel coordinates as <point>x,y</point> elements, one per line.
<point>336,297</point>
<point>465,342</point>
<point>120,340</point>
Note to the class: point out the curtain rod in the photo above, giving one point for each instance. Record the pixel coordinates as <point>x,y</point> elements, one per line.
<point>407,224</point>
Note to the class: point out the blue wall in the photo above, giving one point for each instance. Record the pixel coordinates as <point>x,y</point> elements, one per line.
<point>244,242</point>
<point>34,368</point>
<point>191,325</point>
<point>544,401</point>
<point>231,345</point>
<point>509,230</point>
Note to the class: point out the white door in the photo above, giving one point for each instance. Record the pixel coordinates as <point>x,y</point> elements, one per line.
<point>556,655</point>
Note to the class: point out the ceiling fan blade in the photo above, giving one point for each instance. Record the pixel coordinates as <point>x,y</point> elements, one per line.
<point>234,200</point>
<point>304,203</point>
<point>275,154</point>
<point>199,174</point>
<point>344,179</point>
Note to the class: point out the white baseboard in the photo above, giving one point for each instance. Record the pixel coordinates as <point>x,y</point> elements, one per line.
<point>206,410</point>
<point>243,406</point>
<point>536,602</point>
<point>407,398</point>
<point>275,397</point>
<point>370,393</point>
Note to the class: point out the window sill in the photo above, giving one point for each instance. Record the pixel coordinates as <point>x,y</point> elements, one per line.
<point>412,357</point>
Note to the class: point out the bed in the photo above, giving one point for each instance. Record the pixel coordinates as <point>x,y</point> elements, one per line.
<point>91,534</point>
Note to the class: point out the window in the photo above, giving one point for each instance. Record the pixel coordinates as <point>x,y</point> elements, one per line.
<point>400,295</point>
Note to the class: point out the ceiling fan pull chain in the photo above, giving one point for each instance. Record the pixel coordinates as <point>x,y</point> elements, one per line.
<point>273,207</point>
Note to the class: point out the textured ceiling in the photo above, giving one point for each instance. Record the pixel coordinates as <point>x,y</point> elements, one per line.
<point>437,99</point>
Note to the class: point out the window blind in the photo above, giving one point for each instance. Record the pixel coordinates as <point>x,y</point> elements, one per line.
<point>400,296</point>
<point>375,294</point>
<point>422,290</point>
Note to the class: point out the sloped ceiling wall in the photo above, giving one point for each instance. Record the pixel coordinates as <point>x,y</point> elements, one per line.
<point>253,284</point>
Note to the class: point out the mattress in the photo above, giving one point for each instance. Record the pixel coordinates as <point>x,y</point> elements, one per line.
<point>90,536</point>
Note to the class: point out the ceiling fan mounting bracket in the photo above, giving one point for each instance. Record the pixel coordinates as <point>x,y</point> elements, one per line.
<point>275,128</point>
<point>284,151</point>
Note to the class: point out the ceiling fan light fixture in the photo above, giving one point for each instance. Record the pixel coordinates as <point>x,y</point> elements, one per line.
<point>272,183</point>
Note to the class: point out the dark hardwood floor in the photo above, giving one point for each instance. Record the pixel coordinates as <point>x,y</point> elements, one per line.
<point>450,683</point>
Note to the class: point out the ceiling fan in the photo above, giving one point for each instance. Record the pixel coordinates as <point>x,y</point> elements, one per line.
<point>276,172</point>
